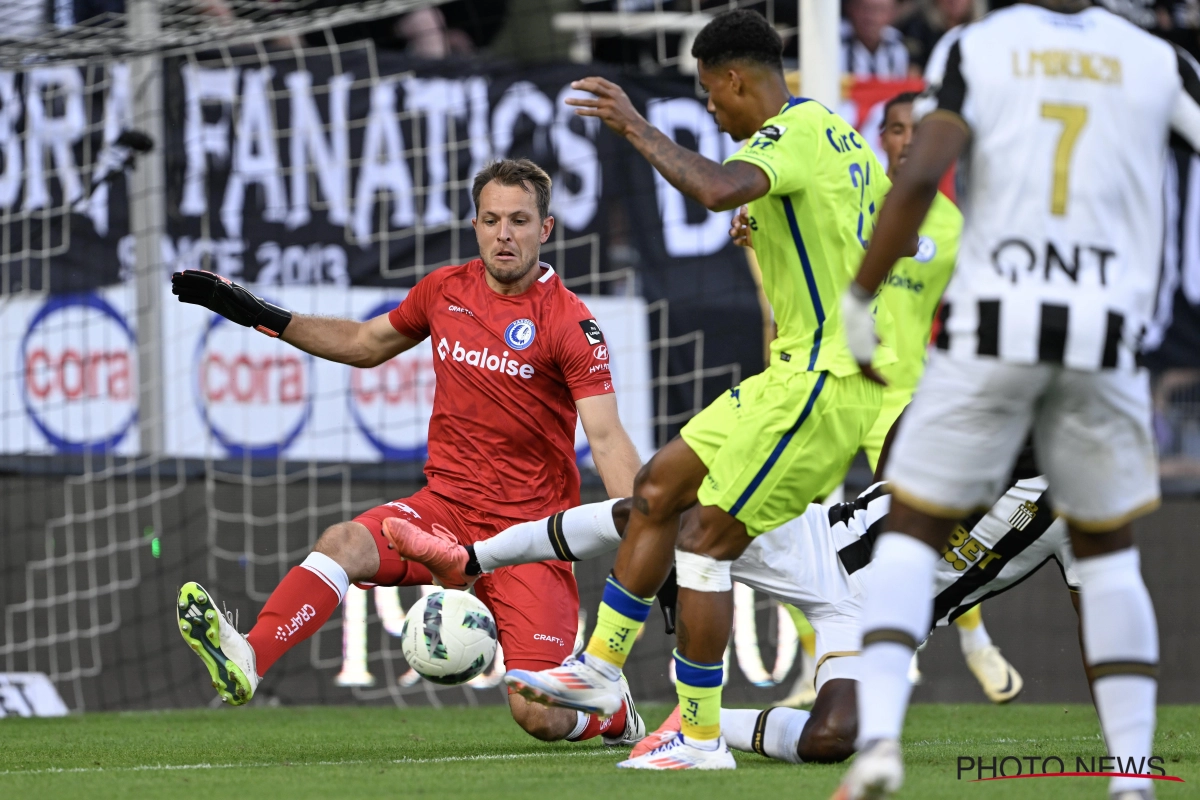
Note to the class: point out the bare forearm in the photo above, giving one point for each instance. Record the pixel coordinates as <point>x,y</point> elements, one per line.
<point>709,183</point>
<point>618,463</point>
<point>328,337</point>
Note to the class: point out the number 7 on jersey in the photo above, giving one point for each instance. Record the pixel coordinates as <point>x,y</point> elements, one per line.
<point>1073,119</point>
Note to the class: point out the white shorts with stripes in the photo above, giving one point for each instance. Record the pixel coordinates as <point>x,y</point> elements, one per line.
<point>961,434</point>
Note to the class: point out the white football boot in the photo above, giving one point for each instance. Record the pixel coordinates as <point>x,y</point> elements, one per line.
<point>676,753</point>
<point>635,726</point>
<point>226,654</point>
<point>1133,794</point>
<point>582,683</point>
<point>877,773</point>
<point>1000,682</point>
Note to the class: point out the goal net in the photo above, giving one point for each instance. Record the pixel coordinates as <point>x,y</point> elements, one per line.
<point>145,443</point>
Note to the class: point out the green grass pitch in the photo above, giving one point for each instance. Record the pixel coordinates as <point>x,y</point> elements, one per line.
<point>332,752</point>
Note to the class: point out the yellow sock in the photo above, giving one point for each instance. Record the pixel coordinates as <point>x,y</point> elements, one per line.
<point>804,629</point>
<point>699,688</point>
<point>618,621</point>
<point>970,620</point>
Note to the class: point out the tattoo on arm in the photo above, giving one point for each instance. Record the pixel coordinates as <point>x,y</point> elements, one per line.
<point>713,184</point>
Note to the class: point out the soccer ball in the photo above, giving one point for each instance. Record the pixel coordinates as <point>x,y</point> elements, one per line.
<point>449,637</point>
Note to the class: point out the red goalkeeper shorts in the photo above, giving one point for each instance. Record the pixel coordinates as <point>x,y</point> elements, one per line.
<point>536,606</point>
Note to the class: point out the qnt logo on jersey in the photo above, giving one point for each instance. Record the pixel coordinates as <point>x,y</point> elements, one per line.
<point>519,334</point>
<point>78,362</point>
<point>491,362</point>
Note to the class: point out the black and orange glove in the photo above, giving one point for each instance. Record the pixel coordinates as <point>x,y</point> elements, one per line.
<point>233,302</point>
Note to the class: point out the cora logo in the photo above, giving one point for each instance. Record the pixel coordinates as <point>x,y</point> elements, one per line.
<point>253,393</point>
<point>391,404</point>
<point>79,387</point>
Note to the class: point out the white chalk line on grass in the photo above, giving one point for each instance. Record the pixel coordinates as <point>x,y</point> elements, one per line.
<point>265,764</point>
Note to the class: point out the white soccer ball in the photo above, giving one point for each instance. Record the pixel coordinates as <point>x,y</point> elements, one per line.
<point>449,637</point>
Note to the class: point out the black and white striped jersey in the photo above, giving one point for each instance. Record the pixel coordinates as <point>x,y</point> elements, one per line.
<point>888,60</point>
<point>816,562</point>
<point>1061,185</point>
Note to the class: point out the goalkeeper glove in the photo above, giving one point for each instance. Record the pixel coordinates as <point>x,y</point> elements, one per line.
<point>233,302</point>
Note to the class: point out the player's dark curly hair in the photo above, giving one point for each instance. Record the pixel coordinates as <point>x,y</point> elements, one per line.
<point>739,35</point>
<point>900,99</point>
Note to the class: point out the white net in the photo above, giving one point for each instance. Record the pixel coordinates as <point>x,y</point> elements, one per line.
<point>327,175</point>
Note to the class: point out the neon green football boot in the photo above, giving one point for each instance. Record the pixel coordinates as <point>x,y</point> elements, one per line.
<point>226,654</point>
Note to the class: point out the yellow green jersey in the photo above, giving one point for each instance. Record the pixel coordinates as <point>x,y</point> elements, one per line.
<point>811,229</point>
<point>912,291</point>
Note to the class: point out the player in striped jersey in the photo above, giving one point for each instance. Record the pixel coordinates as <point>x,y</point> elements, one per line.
<point>815,562</point>
<point>1061,115</point>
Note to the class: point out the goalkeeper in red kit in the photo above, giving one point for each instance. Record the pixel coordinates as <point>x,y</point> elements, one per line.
<point>518,358</point>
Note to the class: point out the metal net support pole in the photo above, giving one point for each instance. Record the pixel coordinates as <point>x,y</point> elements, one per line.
<point>820,46</point>
<point>147,215</point>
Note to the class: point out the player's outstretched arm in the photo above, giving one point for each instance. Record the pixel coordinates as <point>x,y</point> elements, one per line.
<point>359,344</point>
<point>616,458</point>
<point>718,187</point>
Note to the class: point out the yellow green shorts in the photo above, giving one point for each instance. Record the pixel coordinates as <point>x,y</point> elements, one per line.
<point>894,402</point>
<point>771,443</point>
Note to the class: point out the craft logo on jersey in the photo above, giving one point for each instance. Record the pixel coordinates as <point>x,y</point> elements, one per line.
<point>391,403</point>
<point>1024,515</point>
<point>519,334</point>
<point>591,331</point>
<point>78,360</point>
<point>254,393</point>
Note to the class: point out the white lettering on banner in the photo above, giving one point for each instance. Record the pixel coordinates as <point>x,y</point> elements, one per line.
<point>10,141</point>
<point>382,138</point>
<point>683,238</point>
<point>254,393</point>
<point>118,116</point>
<point>255,157</point>
<point>331,159</point>
<point>436,99</point>
<point>200,138</point>
<point>301,264</point>
<point>523,98</point>
<point>79,373</point>
<point>576,155</point>
<point>54,133</point>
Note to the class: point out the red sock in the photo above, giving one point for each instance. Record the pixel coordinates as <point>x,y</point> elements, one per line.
<point>301,603</point>
<point>596,726</point>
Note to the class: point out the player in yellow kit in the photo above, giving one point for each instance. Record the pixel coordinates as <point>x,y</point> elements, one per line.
<point>759,454</point>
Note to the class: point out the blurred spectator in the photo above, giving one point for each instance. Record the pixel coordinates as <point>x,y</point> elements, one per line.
<point>871,47</point>
<point>928,21</point>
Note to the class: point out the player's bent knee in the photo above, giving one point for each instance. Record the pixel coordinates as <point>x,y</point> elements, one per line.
<point>351,545</point>
<point>828,740</point>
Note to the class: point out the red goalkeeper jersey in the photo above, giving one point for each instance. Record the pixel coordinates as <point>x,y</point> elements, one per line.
<point>509,370</point>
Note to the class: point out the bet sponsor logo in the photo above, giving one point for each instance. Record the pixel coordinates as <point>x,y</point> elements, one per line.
<point>591,331</point>
<point>254,394</point>
<point>78,361</point>
<point>519,334</point>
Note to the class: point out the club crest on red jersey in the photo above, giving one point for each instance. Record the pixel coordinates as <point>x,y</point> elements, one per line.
<point>519,334</point>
